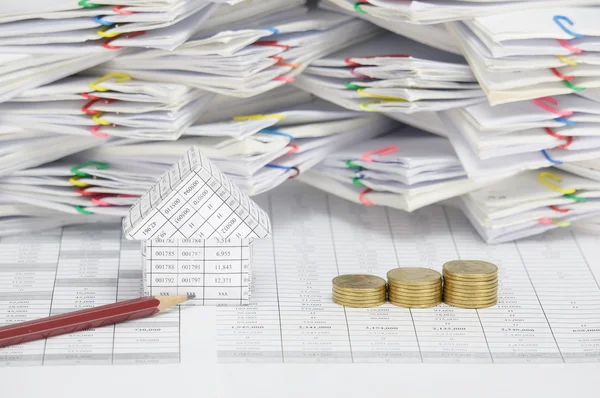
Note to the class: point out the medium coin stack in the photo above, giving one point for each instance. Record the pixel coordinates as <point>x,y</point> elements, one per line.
<point>470,284</point>
<point>413,287</point>
<point>359,291</point>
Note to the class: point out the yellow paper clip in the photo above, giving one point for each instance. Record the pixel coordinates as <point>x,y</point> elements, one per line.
<point>102,32</point>
<point>258,117</point>
<point>97,119</point>
<point>361,91</point>
<point>543,178</point>
<point>561,223</point>
<point>567,60</point>
<point>75,181</point>
<point>120,78</point>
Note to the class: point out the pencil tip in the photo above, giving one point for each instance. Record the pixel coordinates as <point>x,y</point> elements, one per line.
<point>191,296</point>
<point>171,301</point>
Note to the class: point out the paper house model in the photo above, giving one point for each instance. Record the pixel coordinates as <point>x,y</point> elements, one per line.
<point>197,229</point>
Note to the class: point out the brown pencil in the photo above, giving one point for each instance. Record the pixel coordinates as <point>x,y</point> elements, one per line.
<point>86,319</point>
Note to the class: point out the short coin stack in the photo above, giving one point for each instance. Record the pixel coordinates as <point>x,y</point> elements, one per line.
<point>412,287</point>
<point>359,291</point>
<point>470,284</point>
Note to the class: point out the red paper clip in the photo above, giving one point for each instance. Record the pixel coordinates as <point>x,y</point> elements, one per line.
<point>560,75</point>
<point>271,43</point>
<point>569,47</point>
<point>558,209</point>
<point>106,43</point>
<point>293,149</point>
<point>281,62</point>
<point>388,150</point>
<point>295,175</point>
<point>89,96</point>
<point>287,79</point>
<point>97,133</point>
<point>359,75</point>
<point>119,10</point>
<point>541,102</point>
<point>362,199</point>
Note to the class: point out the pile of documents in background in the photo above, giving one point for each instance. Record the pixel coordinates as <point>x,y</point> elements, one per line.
<point>492,107</point>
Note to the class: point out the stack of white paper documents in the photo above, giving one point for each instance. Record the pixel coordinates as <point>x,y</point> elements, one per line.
<point>246,57</point>
<point>531,203</point>
<point>506,139</point>
<point>43,41</point>
<point>406,169</point>
<point>524,55</point>
<point>391,73</point>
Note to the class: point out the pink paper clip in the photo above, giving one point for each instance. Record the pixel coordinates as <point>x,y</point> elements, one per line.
<point>288,79</point>
<point>541,102</point>
<point>362,199</point>
<point>99,202</point>
<point>570,47</point>
<point>388,150</point>
<point>545,220</point>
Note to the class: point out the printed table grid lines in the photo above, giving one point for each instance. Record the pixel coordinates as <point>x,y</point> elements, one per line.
<point>298,322</point>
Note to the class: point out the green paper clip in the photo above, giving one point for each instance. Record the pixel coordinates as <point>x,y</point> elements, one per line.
<point>352,165</point>
<point>357,8</point>
<point>82,210</point>
<point>85,4</point>
<point>356,181</point>
<point>573,87</point>
<point>99,165</point>
<point>575,198</point>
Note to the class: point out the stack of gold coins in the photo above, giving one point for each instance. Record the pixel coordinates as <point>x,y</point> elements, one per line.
<point>414,287</point>
<point>470,284</point>
<point>359,291</point>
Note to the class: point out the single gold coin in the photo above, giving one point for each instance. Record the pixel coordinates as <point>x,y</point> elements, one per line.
<point>415,276</point>
<point>471,298</point>
<point>493,282</point>
<point>360,282</point>
<point>415,301</point>
<point>433,286</point>
<point>469,279</point>
<point>449,293</point>
<point>469,269</point>
<point>415,296</point>
<point>360,305</point>
<point>471,305</point>
<point>400,304</point>
<point>359,294</point>
<point>357,299</point>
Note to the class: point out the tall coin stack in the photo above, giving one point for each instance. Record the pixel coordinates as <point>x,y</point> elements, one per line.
<point>414,287</point>
<point>470,284</point>
<point>359,291</point>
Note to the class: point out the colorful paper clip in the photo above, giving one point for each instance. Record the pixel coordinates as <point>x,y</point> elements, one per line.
<point>382,97</point>
<point>82,210</point>
<point>362,198</point>
<point>106,43</point>
<point>558,209</point>
<point>541,102</point>
<point>558,74</point>
<point>293,149</point>
<point>357,7</point>
<point>276,132</point>
<point>548,158</point>
<point>87,4</point>
<point>95,131</point>
<point>75,181</point>
<point>118,76</point>
<point>558,19</point>
<point>549,221</point>
<point>258,117</point>
<point>120,10</point>
<point>76,170</point>
<point>388,150</point>
<point>569,47</point>
<point>545,175</point>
